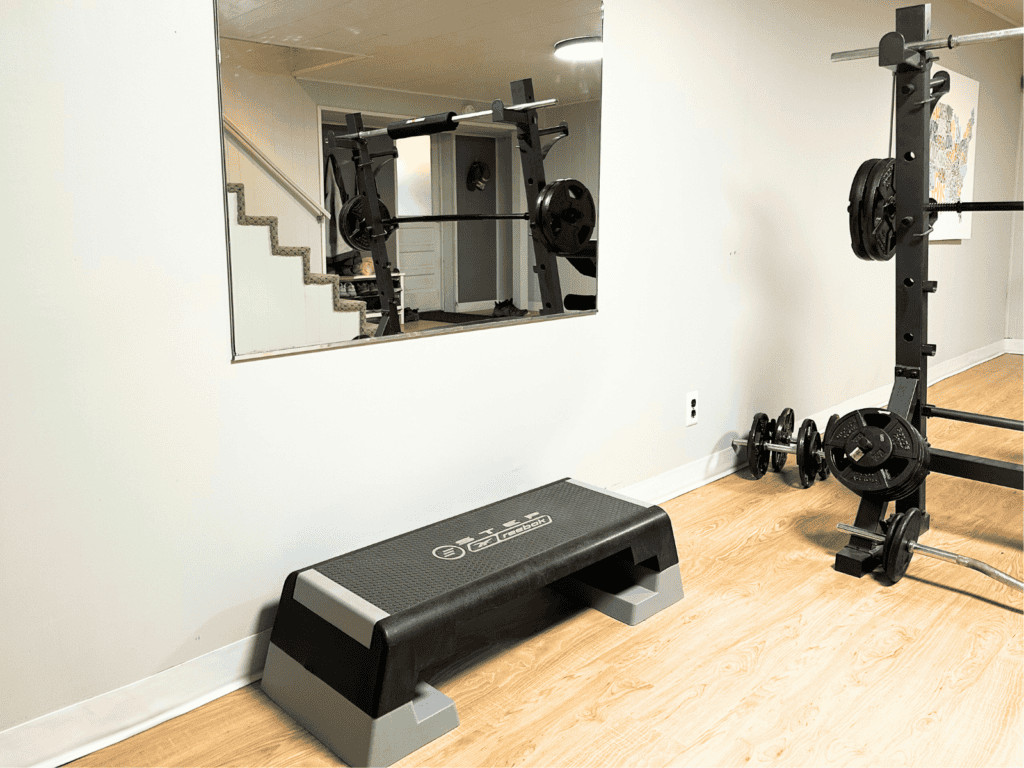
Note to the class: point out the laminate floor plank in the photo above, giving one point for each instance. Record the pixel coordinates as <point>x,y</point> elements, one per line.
<point>772,658</point>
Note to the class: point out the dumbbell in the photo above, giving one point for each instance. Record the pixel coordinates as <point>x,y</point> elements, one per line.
<point>771,440</point>
<point>900,543</point>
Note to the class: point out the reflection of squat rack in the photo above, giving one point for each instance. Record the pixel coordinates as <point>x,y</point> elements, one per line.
<point>561,214</point>
<point>905,52</point>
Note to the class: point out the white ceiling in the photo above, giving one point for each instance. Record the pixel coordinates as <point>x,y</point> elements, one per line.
<point>1008,10</point>
<point>467,49</point>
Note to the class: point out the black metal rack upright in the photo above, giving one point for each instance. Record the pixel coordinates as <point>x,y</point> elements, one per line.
<point>916,94</point>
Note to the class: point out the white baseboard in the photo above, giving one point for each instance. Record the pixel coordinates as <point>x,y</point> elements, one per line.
<point>83,728</point>
<point>689,477</point>
<point>684,479</point>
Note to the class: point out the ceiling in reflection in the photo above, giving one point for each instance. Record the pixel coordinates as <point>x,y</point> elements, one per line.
<point>466,49</point>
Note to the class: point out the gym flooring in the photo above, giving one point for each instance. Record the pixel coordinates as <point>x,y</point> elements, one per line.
<point>772,658</point>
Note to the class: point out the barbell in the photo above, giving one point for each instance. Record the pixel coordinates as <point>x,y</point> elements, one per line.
<point>566,217</point>
<point>900,543</point>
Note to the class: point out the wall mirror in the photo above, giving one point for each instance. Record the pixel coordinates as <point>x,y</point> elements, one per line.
<point>461,224</point>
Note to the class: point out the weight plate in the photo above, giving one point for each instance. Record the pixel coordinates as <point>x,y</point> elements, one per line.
<point>878,211</point>
<point>566,216</point>
<point>876,453</point>
<point>856,198</point>
<point>757,454</point>
<point>905,527</point>
<point>354,227</point>
<point>807,445</point>
<point>783,436</point>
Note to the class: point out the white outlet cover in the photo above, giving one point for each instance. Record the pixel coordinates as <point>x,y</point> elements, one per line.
<point>692,412</point>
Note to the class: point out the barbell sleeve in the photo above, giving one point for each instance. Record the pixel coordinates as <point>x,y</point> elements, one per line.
<point>941,42</point>
<point>941,554</point>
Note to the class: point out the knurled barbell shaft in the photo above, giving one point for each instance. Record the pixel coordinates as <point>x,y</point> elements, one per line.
<point>941,554</point>
<point>940,42</point>
<point>960,207</point>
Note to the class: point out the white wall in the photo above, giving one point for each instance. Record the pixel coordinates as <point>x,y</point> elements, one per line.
<point>154,495</point>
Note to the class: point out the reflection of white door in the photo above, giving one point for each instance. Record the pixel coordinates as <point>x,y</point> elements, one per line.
<point>419,254</point>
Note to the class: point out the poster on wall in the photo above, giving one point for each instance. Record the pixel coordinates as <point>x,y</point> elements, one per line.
<point>954,128</point>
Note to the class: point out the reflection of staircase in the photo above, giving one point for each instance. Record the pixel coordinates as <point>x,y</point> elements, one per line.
<point>278,303</point>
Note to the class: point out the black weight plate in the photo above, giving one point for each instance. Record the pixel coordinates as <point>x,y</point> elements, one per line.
<point>878,211</point>
<point>823,471</point>
<point>806,452</point>
<point>566,216</point>
<point>905,527</point>
<point>355,228</point>
<point>856,198</point>
<point>783,436</point>
<point>757,454</point>
<point>892,468</point>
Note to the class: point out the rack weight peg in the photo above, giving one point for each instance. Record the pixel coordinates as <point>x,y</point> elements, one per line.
<point>900,543</point>
<point>771,441</point>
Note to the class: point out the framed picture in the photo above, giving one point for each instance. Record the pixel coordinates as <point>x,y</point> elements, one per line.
<point>954,129</point>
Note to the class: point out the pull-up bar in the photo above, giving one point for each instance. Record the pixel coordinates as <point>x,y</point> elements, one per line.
<point>441,122</point>
<point>942,42</point>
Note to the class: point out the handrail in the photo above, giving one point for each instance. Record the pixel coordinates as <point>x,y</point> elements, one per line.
<point>311,205</point>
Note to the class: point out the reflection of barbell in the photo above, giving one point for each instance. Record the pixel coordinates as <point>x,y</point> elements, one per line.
<point>444,121</point>
<point>900,543</point>
<point>771,441</point>
<point>566,216</point>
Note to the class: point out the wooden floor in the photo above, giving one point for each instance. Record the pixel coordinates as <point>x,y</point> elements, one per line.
<point>773,658</point>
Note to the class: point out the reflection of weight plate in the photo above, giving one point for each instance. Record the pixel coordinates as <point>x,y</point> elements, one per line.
<point>757,454</point>
<point>876,453</point>
<point>566,216</point>
<point>354,226</point>
<point>783,435</point>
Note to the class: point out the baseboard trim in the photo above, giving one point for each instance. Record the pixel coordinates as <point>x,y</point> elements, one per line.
<point>83,728</point>
<point>689,477</point>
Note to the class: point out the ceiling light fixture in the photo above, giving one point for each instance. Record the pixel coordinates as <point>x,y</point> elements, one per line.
<point>580,48</point>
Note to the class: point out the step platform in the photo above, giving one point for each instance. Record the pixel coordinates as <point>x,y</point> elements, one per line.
<point>353,634</point>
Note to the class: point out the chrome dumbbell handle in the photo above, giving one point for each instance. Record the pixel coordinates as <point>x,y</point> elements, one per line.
<point>941,554</point>
<point>778,448</point>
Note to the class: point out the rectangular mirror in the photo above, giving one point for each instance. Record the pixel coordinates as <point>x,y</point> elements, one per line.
<point>462,235</point>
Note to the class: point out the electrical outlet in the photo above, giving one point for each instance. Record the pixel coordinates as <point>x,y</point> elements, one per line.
<point>692,409</point>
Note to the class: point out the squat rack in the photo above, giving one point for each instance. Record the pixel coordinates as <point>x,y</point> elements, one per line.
<point>522,113</point>
<point>906,53</point>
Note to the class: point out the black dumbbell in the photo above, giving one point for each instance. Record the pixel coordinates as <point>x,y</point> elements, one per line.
<point>900,543</point>
<point>771,441</point>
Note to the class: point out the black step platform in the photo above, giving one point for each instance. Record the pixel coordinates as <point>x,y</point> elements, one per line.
<point>353,634</point>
